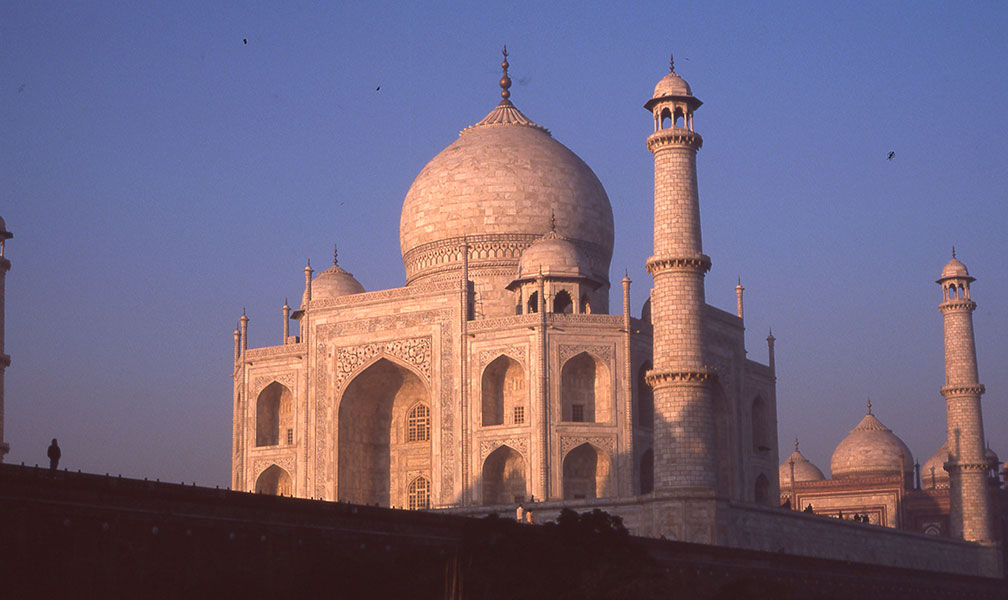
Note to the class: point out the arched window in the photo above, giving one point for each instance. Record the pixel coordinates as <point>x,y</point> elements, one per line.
<point>762,490</point>
<point>585,305</point>
<point>274,481</point>
<point>645,399</point>
<point>418,424</point>
<point>585,390</point>
<point>562,303</point>
<point>952,292</point>
<point>533,302</point>
<point>760,426</point>
<point>680,117</point>
<point>274,415</point>
<point>666,117</point>
<point>418,494</point>
<point>647,472</point>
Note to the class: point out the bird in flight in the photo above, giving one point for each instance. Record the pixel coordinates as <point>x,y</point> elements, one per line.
<point>245,41</point>
<point>377,88</point>
<point>891,154</point>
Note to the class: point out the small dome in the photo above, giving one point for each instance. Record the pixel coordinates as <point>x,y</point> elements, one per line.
<point>992,458</point>
<point>954,268</point>
<point>803,470</point>
<point>553,255</point>
<point>870,450</point>
<point>671,85</point>
<point>936,462</point>
<point>334,282</point>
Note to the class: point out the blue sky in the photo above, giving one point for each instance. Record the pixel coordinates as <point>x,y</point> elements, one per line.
<point>159,174</point>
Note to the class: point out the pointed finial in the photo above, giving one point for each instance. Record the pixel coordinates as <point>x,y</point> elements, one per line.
<point>953,251</point>
<point>796,443</point>
<point>552,221</point>
<point>671,63</point>
<point>740,280</point>
<point>243,311</point>
<point>285,302</point>
<point>771,337</point>
<point>505,81</point>
<point>626,272</point>
<point>869,406</point>
<point>335,256</point>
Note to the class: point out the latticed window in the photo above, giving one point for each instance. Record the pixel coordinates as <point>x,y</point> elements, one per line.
<point>418,424</point>
<point>577,412</point>
<point>418,494</point>
<point>519,415</point>
<point>290,436</point>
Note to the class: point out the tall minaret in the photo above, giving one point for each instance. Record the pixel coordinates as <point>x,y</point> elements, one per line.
<point>4,359</point>
<point>684,444</point>
<point>969,510</point>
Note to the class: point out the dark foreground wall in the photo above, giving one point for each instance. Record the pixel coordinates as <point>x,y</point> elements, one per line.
<point>84,536</point>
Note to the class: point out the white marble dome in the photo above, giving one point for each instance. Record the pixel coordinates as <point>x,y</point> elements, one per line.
<point>937,463</point>
<point>870,450</point>
<point>498,185</point>
<point>334,282</point>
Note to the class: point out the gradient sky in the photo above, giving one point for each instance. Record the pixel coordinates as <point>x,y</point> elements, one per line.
<point>159,174</point>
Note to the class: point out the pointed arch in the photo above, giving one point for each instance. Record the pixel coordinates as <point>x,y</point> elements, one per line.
<point>505,479</point>
<point>587,473</point>
<point>418,494</point>
<point>533,303</point>
<point>274,414</point>
<point>503,392</point>
<point>585,390</point>
<point>275,481</point>
<point>373,447</point>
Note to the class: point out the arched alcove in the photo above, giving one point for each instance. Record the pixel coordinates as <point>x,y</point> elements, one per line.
<point>374,449</point>
<point>274,414</point>
<point>274,481</point>
<point>562,303</point>
<point>585,304</point>
<point>647,472</point>
<point>645,399</point>
<point>504,477</point>
<point>760,426</point>
<point>503,392</point>
<point>762,490</point>
<point>533,302</point>
<point>585,390</point>
<point>587,473</point>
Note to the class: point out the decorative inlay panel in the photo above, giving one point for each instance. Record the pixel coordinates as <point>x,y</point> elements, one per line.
<point>260,383</point>
<point>603,353</point>
<point>489,445</point>
<point>515,352</point>
<point>284,462</point>
<point>273,350</point>
<point>604,443</point>
<point>414,351</point>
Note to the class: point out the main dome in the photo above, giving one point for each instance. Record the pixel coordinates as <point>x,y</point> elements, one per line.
<point>498,185</point>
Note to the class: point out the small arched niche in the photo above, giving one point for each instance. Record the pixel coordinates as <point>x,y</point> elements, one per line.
<point>585,390</point>
<point>645,399</point>
<point>503,392</point>
<point>647,472</point>
<point>274,481</point>
<point>587,473</point>
<point>761,490</point>
<point>760,426</point>
<point>504,477</point>
<point>562,303</point>
<point>274,415</point>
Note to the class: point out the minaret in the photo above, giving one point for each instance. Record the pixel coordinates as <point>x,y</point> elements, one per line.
<point>969,511</point>
<point>4,359</point>
<point>684,445</point>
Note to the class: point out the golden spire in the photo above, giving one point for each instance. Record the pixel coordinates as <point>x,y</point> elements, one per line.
<point>505,81</point>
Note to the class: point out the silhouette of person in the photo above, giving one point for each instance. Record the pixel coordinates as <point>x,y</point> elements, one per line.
<point>808,508</point>
<point>520,514</point>
<point>54,456</point>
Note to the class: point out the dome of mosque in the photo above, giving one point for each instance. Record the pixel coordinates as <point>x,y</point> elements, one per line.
<point>498,185</point>
<point>870,450</point>
<point>672,85</point>
<point>933,470</point>
<point>334,282</point>
<point>803,469</point>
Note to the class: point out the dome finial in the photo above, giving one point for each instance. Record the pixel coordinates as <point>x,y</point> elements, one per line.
<point>869,406</point>
<point>505,81</point>
<point>953,252</point>
<point>553,221</point>
<point>335,255</point>
<point>671,63</point>
<point>796,443</point>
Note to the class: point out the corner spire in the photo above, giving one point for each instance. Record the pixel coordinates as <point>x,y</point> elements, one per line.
<point>505,81</point>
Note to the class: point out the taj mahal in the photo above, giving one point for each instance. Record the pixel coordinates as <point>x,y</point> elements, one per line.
<point>499,375</point>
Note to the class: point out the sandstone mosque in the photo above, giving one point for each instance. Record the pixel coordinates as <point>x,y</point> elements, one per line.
<point>498,374</point>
